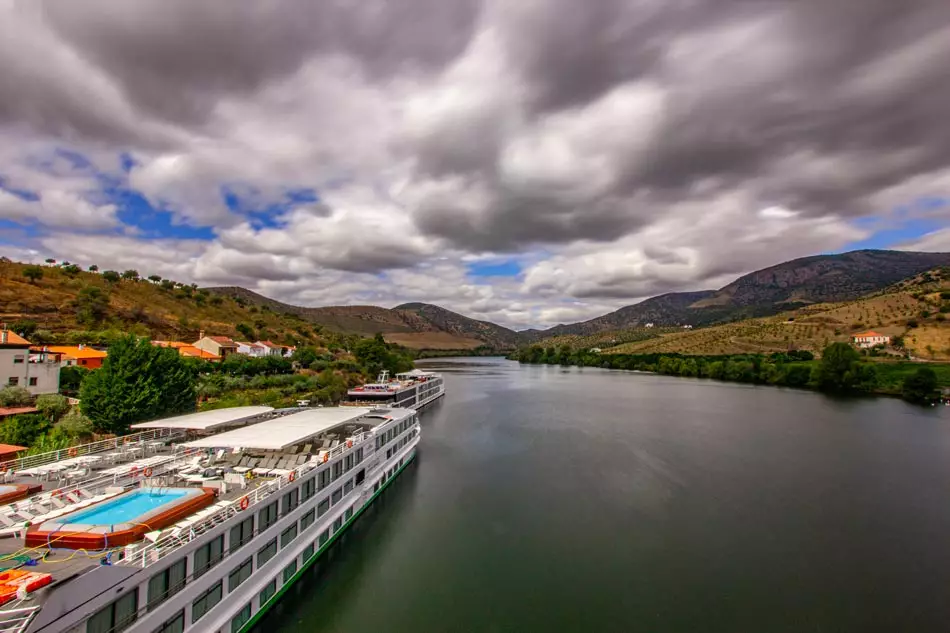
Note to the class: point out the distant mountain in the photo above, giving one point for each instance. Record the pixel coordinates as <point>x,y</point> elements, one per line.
<point>417,325</point>
<point>796,283</point>
<point>493,335</point>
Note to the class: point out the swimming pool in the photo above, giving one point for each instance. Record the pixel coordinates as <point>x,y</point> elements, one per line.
<point>121,520</point>
<point>128,507</point>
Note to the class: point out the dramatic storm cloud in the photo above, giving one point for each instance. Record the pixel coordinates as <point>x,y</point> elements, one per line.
<point>525,162</point>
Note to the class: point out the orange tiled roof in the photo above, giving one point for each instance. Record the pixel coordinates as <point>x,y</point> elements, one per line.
<point>75,352</point>
<point>7,411</point>
<point>14,339</point>
<point>866,334</point>
<point>191,350</point>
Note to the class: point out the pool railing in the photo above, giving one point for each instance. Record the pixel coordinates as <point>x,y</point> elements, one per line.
<point>170,539</point>
<point>42,459</point>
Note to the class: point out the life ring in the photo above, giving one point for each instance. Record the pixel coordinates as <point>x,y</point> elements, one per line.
<point>245,502</point>
<point>293,475</point>
<point>326,457</point>
<point>148,472</point>
<point>349,443</point>
<point>73,452</point>
<point>134,471</point>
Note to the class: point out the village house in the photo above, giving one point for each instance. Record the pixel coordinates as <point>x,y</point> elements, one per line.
<point>79,355</point>
<point>37,371</point>
<point>272,349</point>
<point>188,350</point>
<point>217,345</point>
<point>869,339</point>
<point>254,350</point>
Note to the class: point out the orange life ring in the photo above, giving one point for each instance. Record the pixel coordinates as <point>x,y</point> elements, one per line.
<point>134,471</point>
<point>148,472</point>
<point>326,457</point>
<point>245,502</point>
<point>73,452</point>
<point>293,475</point>
<point>349,443</point>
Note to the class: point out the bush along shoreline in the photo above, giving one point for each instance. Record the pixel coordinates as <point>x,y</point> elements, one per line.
<point>840,369</point>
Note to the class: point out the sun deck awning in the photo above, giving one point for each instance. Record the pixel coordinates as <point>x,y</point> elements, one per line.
<point>279,433</point>
<point>205,420</point>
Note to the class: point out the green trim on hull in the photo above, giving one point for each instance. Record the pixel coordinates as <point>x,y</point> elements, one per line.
<point>262,611</point>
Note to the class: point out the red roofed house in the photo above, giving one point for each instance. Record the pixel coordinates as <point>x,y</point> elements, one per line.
<point>218,345</point>
<point>272,349</point>
<point>187,349</point>
<point>36,371</point>
<point>870,339</point>
<point>79,355</point>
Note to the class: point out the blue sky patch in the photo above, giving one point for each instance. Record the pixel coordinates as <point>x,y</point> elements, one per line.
<point>890,236</point>
<point>494,268</point>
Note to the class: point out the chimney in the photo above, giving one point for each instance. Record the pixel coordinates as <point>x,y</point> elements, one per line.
<point>82,346</point>
<point>3,337</point>
<point>201,334</point>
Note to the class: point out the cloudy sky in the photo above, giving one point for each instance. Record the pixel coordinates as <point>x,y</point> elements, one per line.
<point>528,162</point>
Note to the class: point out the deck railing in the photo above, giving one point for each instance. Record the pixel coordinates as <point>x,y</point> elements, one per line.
<point>16,620</point>
<point>168,544</point>
<point>32,461</point>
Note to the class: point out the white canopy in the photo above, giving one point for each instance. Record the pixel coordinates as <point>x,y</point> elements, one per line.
<point>279,433</point>
<point>205,420</point>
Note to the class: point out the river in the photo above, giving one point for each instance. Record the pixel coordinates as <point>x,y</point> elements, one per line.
<point>566,499</point>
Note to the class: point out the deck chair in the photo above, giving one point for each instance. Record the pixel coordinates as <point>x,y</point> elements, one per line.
<point>308,449</point>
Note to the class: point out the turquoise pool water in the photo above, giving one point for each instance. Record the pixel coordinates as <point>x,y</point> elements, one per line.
<point>127,508</point>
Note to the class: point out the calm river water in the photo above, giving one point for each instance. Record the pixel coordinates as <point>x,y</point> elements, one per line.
<point>565,499</point>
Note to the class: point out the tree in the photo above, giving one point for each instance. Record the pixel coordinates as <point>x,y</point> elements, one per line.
<point>33,273</point>
<point>131,274</point>
<point>93,268</point>
<point>22,430</point>
<point>75,424</point>
<point>921,387</point>
<point>50,261</point>
<point>92,303</point>
<point>111,276</point>
<point>841,370</point>
<point>245,330</point>
<point>155,278</point>
<point>137,381</point>
<point>71,270</point>
<point>52,405</point>
<point>70,379</point>
<point>15,397</point>
<point>24,327</point>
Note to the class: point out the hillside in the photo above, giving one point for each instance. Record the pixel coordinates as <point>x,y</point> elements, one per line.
<point>916,310</point>
<point>797,283</point>
<point>414,325</point>
<point>68,305</point>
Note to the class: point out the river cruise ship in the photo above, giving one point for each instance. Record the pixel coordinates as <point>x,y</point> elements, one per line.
<point>409,390</point>
<point>195,523</point>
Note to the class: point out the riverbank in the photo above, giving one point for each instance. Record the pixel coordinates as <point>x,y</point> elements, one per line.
<point>798,369</point>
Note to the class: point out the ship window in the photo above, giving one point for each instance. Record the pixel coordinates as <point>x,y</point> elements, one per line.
<point>337,524</point>
<point>376,487</point>
<point>117,616</point>
<point>360,477</point>
<point>307,520</point>
<point>347,462</point>
<point>242,572</point>
<point>307,553</point>
<point>335,496</point>
<point>348,514</point>
<point>288,535</point>
<point>166,583</point>
<point>359,455</point>
<point>289,571</point>
<point>309,489</point>
<point>324,537</point>
<point>336,470</point>
<point>269,590</point>
<point>267,517</point>
<point>174,625</point>
<point>241,534</point>
<point>348,487</point>
<point>267,552</point>
<point>289,502</point>
<point>206,602</point>
<point>323,507</point>
<point>241,618</point>
<point>207,556</point>
<point>323,479</point>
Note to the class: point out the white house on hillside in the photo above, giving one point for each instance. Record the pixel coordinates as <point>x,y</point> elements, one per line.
<point>37,370</point>
<point>870,339</point>
<point>251,349</point>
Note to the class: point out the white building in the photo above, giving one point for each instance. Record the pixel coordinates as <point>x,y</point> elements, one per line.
<point>251,349</point>
<point>36,371</point>
<point>272,349</point>
<point>870,339</point>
